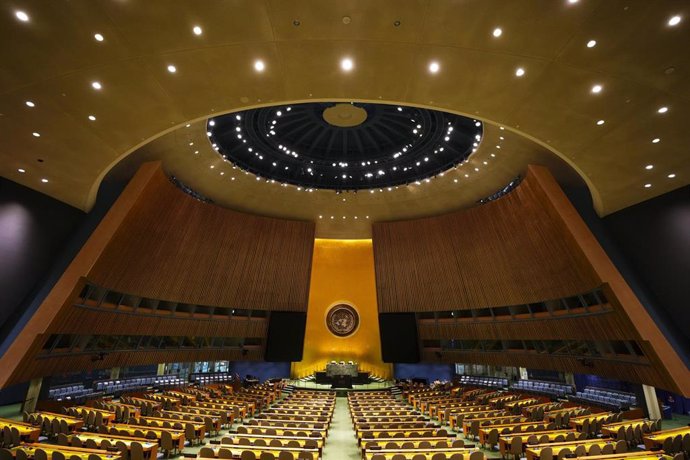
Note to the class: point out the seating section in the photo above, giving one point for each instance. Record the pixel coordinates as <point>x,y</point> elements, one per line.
<point>482,381</point>
<point>72,392</point>
<point>211,377</point>
<point>556,390</point>
<point>605,398</point>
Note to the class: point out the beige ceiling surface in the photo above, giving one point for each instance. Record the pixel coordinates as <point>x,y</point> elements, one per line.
<point>641,62</point>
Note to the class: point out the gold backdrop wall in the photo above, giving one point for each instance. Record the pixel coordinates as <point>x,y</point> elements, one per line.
<point>342,272</point>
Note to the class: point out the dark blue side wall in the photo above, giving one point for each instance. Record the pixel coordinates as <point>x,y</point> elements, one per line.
<point>263,371</point>
<point>585,380</point>
<point>428,371</point>
<point>61,236</point>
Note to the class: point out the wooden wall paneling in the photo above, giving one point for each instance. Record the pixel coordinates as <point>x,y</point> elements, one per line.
<point>505,252</point>
<point>173,247</point>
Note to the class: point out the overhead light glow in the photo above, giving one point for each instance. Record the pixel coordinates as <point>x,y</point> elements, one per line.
<point>670,176</point>
<point>519,72</point>
<point>434,67</point>
<point>573,1</point>
<point>44,180</point>
<point>172,68</point>
<point>597,89</point>
<point>197,30</point>
<point>98,37</point>
<point>21,170</point>
<point>92,118</point>
<point>497,32</point>
<point>673,20</point>
<point>96,85</point>
<point>600,122</point>
<point>346,64</point>
<point>656,140</point>
<point>591,44</point>
<point>663,109</point>
<point>647,185</point>
<point>22,16</point>
<point>259,65</point>
<point>35,134</point>
<point>30,104</point>
<point>648,167</point>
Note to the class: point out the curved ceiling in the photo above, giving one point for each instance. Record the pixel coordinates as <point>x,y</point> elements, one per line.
<point>92,102</point>
<point>344,146</point>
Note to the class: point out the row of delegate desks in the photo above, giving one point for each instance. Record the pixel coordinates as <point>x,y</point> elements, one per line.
<point>149,446</point>
<point>533,451</point>
<point>177,435</point>
<point>69,451</point>
<point>655,440</point>
<point>73,423</point>
<point>505,440</point>
<point>27,432</point>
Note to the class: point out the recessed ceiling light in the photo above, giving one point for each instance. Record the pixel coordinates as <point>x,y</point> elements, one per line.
<point>96,85</point>
<point>44,180</point>
<point>573,1</point>
<point>591,44</point>
<point>647,185</point>
<point>92,118</point>
<point>35,134</point>
<point>519,72</point>
<point>670,176</point>
<point>98,37</point>
<point>663,109</point>
<point>656,140</point>
<point>30,104</point>
<point>22,16</point>
<point>497,32</point>
<point>597,89</point>
<point>187,125</point>
<point>259,65</point>
<point>673,20</point>
<point>346,64</point>
<point>434,67</point>
<point>22,170</point>
<point>197,30</point>
<point>648,167</point>
<point>172,68</point>
<point>600,122</point>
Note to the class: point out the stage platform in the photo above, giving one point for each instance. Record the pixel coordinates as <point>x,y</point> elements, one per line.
<point>311,385</point>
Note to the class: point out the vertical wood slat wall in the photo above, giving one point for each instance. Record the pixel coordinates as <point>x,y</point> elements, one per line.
<point>505,252</point>
<point>173,247</point>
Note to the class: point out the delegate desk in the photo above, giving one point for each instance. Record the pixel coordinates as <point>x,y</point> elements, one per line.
<point>108,416</point>
<point>611,429</point>
<point>641,455</point>
<point>295,450</point>
<point>383,443</point>
<point>27,432</point>
<point>657,439</point>
<point>68,451</point>
<point>236,451</point>
<point>73,423</point>
<point>400,433</point>
<point>428,453</point>
<point>300,440</point>
<point>577,422</point>
<point>199,427</point>
<point>279,431</point>
<point>505,440</point>
<point>521,429</point>
<point>534,451</point>
<point>150,447</point>
<point>177,435</point>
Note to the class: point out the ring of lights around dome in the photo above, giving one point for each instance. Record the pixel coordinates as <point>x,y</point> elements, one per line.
<point>345,115</point>
<point>296,144</point>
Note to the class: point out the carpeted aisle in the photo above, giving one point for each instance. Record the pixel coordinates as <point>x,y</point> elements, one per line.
<point>341,443</point>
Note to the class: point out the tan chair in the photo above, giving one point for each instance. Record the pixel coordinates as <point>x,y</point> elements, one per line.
<point>207,452</point>
<point>516,447</point>
<point>476,455</point>
<point>419,457</point>
<point>166,443</point>
<point>5,454</point>
<point>190,433</point>
<point>580,451</point>
<point>607,449</point>
<point>39,454</point>
<point>21,455</point>
<point>95,457</point>
<point>247,455</point>
<point>91,444</point>
<point>224,453</point>
<point>57,455</point>
<point>546,454</point>
<point>457,456</point>
<point>438,456</point>
<point>594,449</point>
<point>492,439</point>
<point>398,457</point>
<point>563,452</point>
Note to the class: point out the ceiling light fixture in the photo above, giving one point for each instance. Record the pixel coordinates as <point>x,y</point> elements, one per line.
<point>572,2</point>
<point>259,65</point>
<point>22,16</point>
<point>172,68</point>
<point>670,176</point>
<point>98,37</point>
<point>35,134</point>
<point>434,67</point>
<point>197,30</point>
<point>663,109</point>
<point>44,180</point>
<point>647,185</point>
<point>600,122</point>
<point>596,89</point>
<point>648,167</point>
<point>92,118</point>
<point>346,64</point>
<point>519,72</point>
<point>656,140</point>
<point>30,104</point>
<point>497,32</point>
<point>674,20</point>
<point>591,44</point>
<point>96,85</point>
<point>21,170</point>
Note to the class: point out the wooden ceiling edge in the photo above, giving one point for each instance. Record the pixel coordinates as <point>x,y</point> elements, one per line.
<point>90,199</point>
<point>608,274</point>
<point>74,274</point>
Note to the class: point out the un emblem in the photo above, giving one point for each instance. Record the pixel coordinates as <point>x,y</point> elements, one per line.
<point>342,320</point>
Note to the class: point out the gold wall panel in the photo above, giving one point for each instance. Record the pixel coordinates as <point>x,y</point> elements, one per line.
<point>342,272</point>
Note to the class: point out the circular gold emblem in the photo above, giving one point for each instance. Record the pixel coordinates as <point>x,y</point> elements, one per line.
<point>342,320</point>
